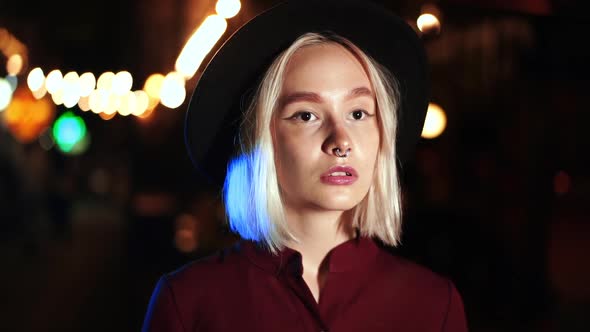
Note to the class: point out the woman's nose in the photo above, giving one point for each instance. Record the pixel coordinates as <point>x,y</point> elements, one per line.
<point>338,142</point>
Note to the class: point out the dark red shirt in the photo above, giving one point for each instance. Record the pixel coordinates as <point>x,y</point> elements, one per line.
<point>245,288</point>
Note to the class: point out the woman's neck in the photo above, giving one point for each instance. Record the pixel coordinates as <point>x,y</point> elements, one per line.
<point>318,233</point>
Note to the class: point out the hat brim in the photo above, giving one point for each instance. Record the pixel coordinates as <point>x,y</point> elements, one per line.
<point>215,109</point>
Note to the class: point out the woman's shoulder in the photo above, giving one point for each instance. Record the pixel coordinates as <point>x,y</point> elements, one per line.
<point>211,269</point>
<point>413,276</point>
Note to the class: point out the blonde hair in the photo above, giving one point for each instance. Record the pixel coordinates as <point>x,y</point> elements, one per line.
<point>251,191</point>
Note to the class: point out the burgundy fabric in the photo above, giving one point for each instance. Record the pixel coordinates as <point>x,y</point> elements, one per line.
<point>245,288</point>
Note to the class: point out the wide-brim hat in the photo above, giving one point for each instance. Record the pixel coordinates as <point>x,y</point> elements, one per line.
<point>221,94</point>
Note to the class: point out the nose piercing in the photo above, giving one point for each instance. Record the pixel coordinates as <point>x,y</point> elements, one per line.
<point>338,152</point>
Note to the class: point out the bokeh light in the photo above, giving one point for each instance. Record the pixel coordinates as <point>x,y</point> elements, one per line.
<point>428,23</point>
<point>106,116</point>
<point>14,64</point>
<point>58,97</point>
<point>13,81</point>
<point>435,122</point>
<point>142,102</point>
<point>113,105</point>
<point>185,234</point>
<point>27,117</point>
<point>105,81</point>
<point>68,130</point>
<point>152,87</point>
<point>87,84</point>
<point>122,83</point>
<point>54,81</point>
<point>36,79</point>
<point>38,94</point>
<point>71,89</point>
<point>84,104</point>
<point>5,93</point>
<point>199,44</point>
<point>98,100</point>
<point>173,91</point>
<point>228,8</point>
<point>128,104</point>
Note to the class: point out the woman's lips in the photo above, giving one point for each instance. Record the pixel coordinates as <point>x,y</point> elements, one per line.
<point>339,175</point>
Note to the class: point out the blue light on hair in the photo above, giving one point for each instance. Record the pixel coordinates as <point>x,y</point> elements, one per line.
<point>244,195</point>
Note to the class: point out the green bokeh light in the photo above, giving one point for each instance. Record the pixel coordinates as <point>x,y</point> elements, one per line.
<point>69,130</point>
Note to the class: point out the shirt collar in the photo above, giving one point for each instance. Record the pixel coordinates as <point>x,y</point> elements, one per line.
<point>353,254</point>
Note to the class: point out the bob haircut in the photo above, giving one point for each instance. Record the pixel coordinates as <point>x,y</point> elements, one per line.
<point>251,191</point>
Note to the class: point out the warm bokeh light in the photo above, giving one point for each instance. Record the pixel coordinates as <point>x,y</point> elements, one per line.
<point>110,93</point>
<point>14,64</point>
<point>173,92</point>
<point>128,104</point>
<point>36,79</point>
<point>58,97</point>
<point>199,44</point>
<point>5,94</point>
<point>428,23</point>
<point>98,100</point>
<point>71,89</point>
<point>27,117</point>
<point>185,234</point>
<point>105,81</point>
<point>142,102</point>
<point>106,116</point>
<point>87,84</point>
<point>40,93</point>
<point>113,105</point>
<point>122,83</point>
<point>152,87</point>
<point>146,115</point>
<point>435,122</point>
<point>54,81</point>
<point>228,8</point>
<point>84,104</point>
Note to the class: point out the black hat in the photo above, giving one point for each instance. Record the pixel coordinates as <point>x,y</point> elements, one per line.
<point>215,109</point>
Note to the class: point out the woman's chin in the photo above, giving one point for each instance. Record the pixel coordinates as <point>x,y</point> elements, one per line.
<point>338,203</point>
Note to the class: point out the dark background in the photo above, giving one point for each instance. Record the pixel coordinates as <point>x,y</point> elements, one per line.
<point>498,202</point>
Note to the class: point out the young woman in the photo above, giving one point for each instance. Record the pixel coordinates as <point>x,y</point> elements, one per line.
<point>313,190</point>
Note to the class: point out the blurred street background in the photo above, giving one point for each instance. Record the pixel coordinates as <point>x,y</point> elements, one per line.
<point>98,197</point>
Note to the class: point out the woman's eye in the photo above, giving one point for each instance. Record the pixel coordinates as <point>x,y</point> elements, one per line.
<point>304,116</point>
<point>358,114</point>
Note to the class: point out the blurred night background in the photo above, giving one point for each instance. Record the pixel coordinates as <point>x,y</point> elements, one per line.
<point>498,201</point>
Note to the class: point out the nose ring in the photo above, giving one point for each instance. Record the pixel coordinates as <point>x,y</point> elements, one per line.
<point>338,152</point>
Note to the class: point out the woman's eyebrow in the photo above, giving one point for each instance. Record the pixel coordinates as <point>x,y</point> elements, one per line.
<point>360,91</point>
<point>316,98</point>
<point>301,96</point>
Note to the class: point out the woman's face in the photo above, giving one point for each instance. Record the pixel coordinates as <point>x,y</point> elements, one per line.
<point>327,102</point>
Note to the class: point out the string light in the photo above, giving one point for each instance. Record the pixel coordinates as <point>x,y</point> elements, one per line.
<point>111,93</point>
<point>199,45</point>
<point>36,79</point>
<point>14,64</point>
<point>228,8</point>
<point>5,94</point>
<point>54,81</point>
<point>87,84</point>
